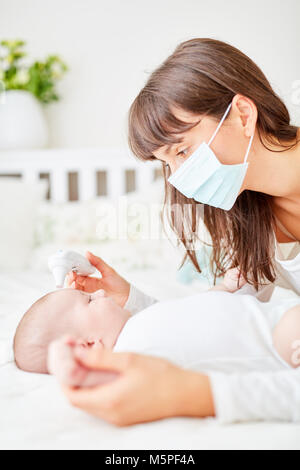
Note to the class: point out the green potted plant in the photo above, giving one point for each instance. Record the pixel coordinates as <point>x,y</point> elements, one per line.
<point>25,88</point>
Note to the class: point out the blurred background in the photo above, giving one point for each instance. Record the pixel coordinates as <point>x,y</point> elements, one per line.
<point>63,118</point>
<point>112,46</point>
<point>69,71</point>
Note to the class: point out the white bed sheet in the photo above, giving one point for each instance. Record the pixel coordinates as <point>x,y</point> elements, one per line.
<point>34,414</point>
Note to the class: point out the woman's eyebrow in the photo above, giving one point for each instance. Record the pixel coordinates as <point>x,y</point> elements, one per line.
<point>183,141</point>
<point>168,149</point>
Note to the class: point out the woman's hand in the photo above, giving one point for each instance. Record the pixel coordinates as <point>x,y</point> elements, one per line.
<point>233,280</point>
<point>114,285</point>
<point>147,389</point>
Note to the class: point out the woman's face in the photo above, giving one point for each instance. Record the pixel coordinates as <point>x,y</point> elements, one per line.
<point>229,145</point>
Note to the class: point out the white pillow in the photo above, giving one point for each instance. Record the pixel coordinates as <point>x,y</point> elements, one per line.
<point>18,208</point>
<point>101,219</point>
<point>85,225</point>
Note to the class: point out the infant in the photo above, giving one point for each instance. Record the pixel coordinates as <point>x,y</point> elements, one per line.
<point>209,330</point>
<point>95,320</point>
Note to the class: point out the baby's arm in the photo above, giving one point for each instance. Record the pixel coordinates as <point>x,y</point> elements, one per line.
<point>68,371</point>
<point>286,336</point>
<point>230,281</point>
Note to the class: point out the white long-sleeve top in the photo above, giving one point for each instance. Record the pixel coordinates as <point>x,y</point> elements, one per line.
<point>273,395</point>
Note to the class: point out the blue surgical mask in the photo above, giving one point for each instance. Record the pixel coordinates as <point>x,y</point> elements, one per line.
<point>203,178</point>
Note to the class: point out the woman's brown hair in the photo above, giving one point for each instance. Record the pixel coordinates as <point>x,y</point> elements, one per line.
<point>202,76</point>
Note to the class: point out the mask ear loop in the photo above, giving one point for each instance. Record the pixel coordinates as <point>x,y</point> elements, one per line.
<point>248,149</point>
<point>219,125</point>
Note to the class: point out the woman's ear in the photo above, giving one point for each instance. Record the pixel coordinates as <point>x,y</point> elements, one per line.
<point>247,112</point>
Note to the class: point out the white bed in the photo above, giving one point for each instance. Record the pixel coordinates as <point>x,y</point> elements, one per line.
<point>33,412</point>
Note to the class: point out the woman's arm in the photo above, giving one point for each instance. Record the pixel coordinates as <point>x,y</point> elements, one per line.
<point>256,396</point>
<point>137,300</point>
<point>150,388</point>
<point>147,389</point>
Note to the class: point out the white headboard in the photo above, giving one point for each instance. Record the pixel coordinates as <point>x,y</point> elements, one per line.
<point>84,165</point>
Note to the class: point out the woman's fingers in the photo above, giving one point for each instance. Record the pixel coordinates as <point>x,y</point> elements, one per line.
<point>71,276</point>
<point>80,281</point>
<point>102,401</point>
<point>84,283</point>
<point>99,401</point>
<point>102,267</point>
<point>76,282</point>
<point>90,284</point>
<point>104,359</point>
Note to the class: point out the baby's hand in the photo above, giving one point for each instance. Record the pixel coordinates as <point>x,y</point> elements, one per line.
<point>230,281</point>
<point>62,364</point>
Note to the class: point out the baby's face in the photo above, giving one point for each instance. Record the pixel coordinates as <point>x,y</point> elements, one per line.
<point>94,318</point>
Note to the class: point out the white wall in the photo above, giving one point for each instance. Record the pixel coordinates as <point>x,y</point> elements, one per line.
<point>112,46</point>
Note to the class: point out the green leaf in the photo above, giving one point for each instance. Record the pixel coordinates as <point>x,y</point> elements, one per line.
<point>43,76</point>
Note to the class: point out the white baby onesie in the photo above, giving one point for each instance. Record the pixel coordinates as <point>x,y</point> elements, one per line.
<point>213,330</point>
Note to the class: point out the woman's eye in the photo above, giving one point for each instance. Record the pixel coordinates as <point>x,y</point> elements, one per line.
<point>183,152</point>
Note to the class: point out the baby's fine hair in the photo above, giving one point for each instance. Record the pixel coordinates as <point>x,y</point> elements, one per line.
<point>30,351</point>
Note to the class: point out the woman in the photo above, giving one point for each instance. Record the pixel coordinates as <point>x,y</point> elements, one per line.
<point>226,144</point>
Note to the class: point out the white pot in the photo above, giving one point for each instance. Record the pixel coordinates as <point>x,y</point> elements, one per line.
<point>22,121</point>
